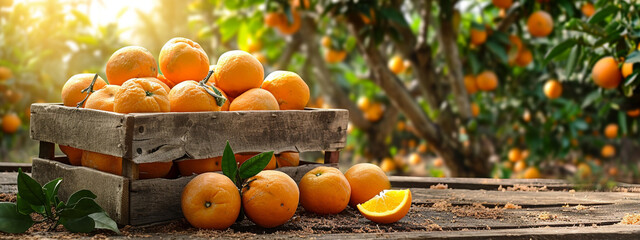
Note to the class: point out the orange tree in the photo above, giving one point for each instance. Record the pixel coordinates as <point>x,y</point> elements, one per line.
<point>479,78</point>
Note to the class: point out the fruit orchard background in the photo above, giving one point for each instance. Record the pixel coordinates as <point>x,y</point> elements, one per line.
<point>434,88</point>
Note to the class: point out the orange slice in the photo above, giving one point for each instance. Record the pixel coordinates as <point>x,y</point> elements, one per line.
<point>387,207</point>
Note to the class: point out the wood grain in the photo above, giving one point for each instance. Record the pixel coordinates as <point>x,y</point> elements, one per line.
<point>477,183</point>
<point>112,190</point>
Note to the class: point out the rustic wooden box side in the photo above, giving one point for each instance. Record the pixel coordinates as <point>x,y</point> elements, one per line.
<point>165,137</point>
<point>93,130</point>
<point>112,190</point>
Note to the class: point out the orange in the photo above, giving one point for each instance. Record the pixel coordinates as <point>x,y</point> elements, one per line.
<point>514,155</point>
<point>415,159</point>
<point>502,3</point>
<point>634,113</point>
<point>238,71</point>
<point>605,73</point>
<point>363,103</point>
<point>273,19</point>
<point>334,56</point>
<point>270,198</point>
<point>210,200</point>
<point>5,73</point>
<point>326,41</point>
<point>368,19</point>
<point>243,157</point>
<point>252,45</point>
<point>540,24</point>
<point>324,190</point>
<point>291,92</point>
<point>261,57</point>
<point>366,181</point>
<point>552,89</point>
<point>299,3</point>
<point>102,162</point>
<point>73,154</point>
<point>158,81</point>
<point>130,62</point>
<point>289,28</point>
<point>526,116</point>
<point>532,172</point>
<point>470,84</point>
<point>154,169</point>
<point>627,69</point>
<point>375,112</point>
<point>478,36</point>
<point>387,207</point>
<point>608,151</point>
<point>387,165</point>
<point>140,95</point>
<point>613,171</point>
<point>10,123</point>
<point>588,9</point>
<point>475,109</point>
<point>487,81</point>
<point>584,170</point>
<point>524,154</point>
<point>288,159</point>
<point>189,96</point>
<point>396,64</point>
<point>166,81</point>
<point>254,99</point>
<point>519,166</point>
<point>72,90</point>
<point>103,98</point>
<point>438,162</point>
<point>198,166</point>
<point>524,58</point>
<point>611,131</point>
<point>182,59</point>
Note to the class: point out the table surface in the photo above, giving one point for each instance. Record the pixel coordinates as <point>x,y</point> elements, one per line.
<point>469,208</point>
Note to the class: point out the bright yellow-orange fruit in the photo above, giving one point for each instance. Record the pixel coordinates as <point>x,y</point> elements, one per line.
<point>415,159</point>
<point>396,64</point>
<point>532,172</point>
<point>584,170</point>
<point>270,198</point>
<point>166,81</point>
<point>605,73</point>
<point>633,113</point>
<point>588,9</point>
<point>254,99</point>
<point>103,99</point>
<point>552,89</point>
<point>519,166</point>
<point>198,166</point>
<point>502,3</point>
<point>10,123</point>
<point>438,162</point>
<point>475,109</point>
<point>189,96</point>
<point>363,103</point>
<point>291,92</point>
<point>374,112</point>
<point>154,169</point>
<point>324,190</point>
<point>252,45</point>
<point>470,84</point>
<point>326,41</point>
<point>525,57</point>
<point>366,181</point>
<point>139,95</point>
<point>514,155</point>
<point>487,81</point>
<point>387,165</point>
<point>387,207</point>
<point>102,162</point>
<point>210,200</point>
<point>238,71</point>
<point>182,59</point>
<point>289,28</point>
<point>73,154</point>
<point>72,90</point>
<point>288,159</point>
<point>273,19</point>
<point>627,69</point>
<point>540,24</point>
<point>334,56</point>
<point>130,62</point>
<point>478,36</point>
<point>608,151</point>
<point>526,116</point>
<point>611,131</point>
<point>5,73</point>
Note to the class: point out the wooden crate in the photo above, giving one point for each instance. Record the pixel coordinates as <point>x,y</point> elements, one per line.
<point>162,137</point>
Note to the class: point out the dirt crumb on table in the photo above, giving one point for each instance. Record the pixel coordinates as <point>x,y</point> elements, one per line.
<point>439,186</point>
<point>631,219</point>
<point>512,206</point>
<point>7,197</point>
<point>545,216</point>
<point>476,210</point>
<point>523,188</point>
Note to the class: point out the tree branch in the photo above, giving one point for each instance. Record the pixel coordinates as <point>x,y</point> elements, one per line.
<point>292,47</point>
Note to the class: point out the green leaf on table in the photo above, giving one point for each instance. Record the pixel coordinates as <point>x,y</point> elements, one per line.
<point>255,164</point>
<point>103,221</point>
<point>11,221</point>
<point>229,165</point>
<point>84,207</point>
<point>30,190</point>
<point>23,206</point>
<point>76,196</point>
<point>51,190</point>
<point>83,224</point>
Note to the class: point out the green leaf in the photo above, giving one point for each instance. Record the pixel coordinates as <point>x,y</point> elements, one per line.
<point>603,13</point>
<point>51,190</point>
<point>84,224</point>
<point>574,58</point>
<point>394,15</point>
<point>229,164</point>
<point>633,57</point>
<point>622,120</point>
<point>559,49</point>
<point>580,124</point>
<point>76,196</point>
<point>103,221</point>
<point>30,190</point>
<point>84,207</point>
<point>255,164</point>
<point>11,221</point>
<point>498,50</point>
<point>590,99</point>
<point>23,206</point>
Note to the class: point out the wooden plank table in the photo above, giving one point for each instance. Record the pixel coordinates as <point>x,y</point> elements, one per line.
<point>468,209</point>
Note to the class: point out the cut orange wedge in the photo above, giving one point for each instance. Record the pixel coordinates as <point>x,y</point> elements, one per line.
<point>387,207</point>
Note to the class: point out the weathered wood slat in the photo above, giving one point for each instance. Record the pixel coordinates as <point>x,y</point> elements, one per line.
<point>165,137</point>
<point>13,167</point>
<point>477,183</point>
<point>88,129</point>
<point>112,190</point>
